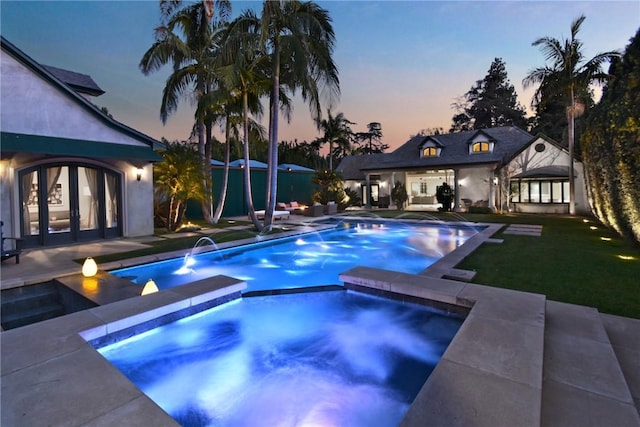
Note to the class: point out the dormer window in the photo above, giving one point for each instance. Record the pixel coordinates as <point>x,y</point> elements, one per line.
<point>430,148</point>
<point>481,147</point>
<point>430,152</point>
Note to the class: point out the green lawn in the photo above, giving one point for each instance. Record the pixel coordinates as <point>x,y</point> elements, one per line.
<point>570,262</point>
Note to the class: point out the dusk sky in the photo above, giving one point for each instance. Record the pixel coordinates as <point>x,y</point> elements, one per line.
<point>401,63</point>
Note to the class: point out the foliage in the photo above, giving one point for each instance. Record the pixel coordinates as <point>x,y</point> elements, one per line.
<point>369,142</point>
<point>352,197</point>
<point>568,78</point>
<point>491,102</point>
<point>612,147</point>
<point>299,39</point>
<point>186,40</point>
<point>330,187</point>
<point>178,177</point>
<point>337,133</point>
<point>399,194</point>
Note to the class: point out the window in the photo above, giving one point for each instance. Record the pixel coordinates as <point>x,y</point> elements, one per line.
<point>481,147</point>
<point>533,191</point>
<point>430,152</point>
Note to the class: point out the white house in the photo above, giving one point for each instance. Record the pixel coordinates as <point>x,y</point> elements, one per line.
<point>502,168</point>
<point>68,171</point>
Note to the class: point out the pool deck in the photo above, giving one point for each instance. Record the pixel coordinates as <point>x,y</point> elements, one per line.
<point>518,359</point>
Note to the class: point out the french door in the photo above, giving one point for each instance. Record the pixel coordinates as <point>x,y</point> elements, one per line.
<point>63,203</point>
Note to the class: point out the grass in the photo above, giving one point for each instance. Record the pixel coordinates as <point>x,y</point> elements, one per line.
<point>569,263</point>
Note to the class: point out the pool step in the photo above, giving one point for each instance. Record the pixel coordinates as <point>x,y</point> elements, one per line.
<point>583,382</point>
<point>30,304</point>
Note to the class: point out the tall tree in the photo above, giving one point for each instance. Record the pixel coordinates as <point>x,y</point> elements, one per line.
<point>491,102</point>
<point>337,133</point>
<point>611,142</point>
<point>299,38</point>
<point>184,39</point>
<point>569,75</point>
<point>373,138</point>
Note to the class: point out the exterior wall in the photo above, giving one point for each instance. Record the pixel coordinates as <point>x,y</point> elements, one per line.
<point>31,105</point>
<point>473,185</point>
<point>137,195</point>
<point>552,155</point>
<point>137,201</point>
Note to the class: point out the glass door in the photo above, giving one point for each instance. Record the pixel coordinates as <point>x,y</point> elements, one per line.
<point>68,203</point>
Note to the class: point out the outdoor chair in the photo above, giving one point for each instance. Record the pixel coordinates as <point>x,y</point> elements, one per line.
<point>9,253</point>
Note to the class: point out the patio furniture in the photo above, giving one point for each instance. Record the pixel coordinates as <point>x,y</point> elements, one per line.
<point>276,214</point>
<point>9,253</point>
<point>315,210</point>
<point>332,208</point>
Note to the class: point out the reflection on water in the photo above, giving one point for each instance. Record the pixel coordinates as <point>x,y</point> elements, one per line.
<point>321,359</point>
<point>313,259</point>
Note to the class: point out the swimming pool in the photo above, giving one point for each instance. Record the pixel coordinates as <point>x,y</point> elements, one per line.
<point>333,358</point>
<point>313,259</point>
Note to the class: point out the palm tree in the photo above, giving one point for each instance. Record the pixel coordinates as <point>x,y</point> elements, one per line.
<point>185,38</point>
<point>245,73</point>
<point>570,75</point>
<point>336,131</point>
<point>299,38</point>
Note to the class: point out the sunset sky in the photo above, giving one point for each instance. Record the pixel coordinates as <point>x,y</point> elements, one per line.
<point>401,63</point>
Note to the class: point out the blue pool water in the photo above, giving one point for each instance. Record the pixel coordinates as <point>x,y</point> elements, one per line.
<point>315,258</point>
<point>333,358</point>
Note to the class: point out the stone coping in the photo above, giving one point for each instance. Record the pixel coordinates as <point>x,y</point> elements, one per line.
<point>51,371</point>
<point>491,373</point>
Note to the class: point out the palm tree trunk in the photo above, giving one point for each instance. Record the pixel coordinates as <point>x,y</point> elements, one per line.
<point>273,141</point>
<point>571,136</point>
<point>225,175</point>
<point>247,168</point>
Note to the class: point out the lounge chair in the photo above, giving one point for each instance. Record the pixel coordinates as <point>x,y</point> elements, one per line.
<point>9,253</point>
<point>276,214</point>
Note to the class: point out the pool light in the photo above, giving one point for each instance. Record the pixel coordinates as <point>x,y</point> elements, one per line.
<point>149,288</point>
<point>89,268</point>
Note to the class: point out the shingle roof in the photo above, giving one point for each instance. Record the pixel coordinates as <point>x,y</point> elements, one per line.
<point>351,167</point>
<point>81,83</point>
<point>294,167</point>
<point>455,150</point>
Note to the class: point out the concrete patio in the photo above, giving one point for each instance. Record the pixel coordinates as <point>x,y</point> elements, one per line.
<point>518,359</point>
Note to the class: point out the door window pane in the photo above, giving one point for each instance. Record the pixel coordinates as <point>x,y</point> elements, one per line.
<point>534,192</point>
<point>111,200</point>
<point>556,189</point>
<point>58,199</point>
<point>545,192</point>
<point>88,198</point>
<point>30,207</point>
<point>524,192</point>
<point>565,191</point>
<point>515,191</point>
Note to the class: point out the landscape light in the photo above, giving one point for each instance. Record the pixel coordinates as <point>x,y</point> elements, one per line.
<point>89,268</point>
<point>149,288</point>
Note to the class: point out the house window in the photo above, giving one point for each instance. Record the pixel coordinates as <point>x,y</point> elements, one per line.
<point>481,147</point>
<point>430,152</point>
<point>540,191</point>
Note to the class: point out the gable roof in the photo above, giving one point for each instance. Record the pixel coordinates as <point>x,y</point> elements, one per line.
<point>81,83</point>
<point>455,150</point>
<point>9,143</point>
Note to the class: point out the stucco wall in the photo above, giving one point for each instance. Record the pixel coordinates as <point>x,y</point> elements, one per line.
<point>473,184</point>
<point>31,105</point>
<point>552,155</point>
<point>138,198</point>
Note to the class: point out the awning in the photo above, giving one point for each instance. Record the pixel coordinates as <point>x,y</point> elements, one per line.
<point>23,143</point>
<point>545,172</point>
